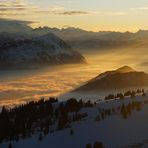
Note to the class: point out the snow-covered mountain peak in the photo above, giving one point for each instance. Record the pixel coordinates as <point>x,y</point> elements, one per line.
<point>22,50</point>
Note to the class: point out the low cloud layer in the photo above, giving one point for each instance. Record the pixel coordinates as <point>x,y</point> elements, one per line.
<point>21,7</point>
<point>12,8</point>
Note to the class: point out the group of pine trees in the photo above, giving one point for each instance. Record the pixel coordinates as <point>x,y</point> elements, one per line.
<point>38,116</point>
<point>21,121</point>
<point>124,110</point>
<point>95,145</point>
<point>130,93</point>
<point>71,106</point>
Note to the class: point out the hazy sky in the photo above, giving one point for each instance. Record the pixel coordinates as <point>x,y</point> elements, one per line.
<point>88,14</point>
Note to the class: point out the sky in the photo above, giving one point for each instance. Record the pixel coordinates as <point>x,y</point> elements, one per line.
<point>94,15</point>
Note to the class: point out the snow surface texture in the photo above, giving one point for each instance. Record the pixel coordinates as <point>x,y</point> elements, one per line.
<point>114,131</point>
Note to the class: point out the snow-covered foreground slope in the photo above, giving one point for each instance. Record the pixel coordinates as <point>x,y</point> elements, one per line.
<point>113,128</point>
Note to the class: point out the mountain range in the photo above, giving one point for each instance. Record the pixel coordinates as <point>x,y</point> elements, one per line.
<point>78,38</point>
<point>21,45</point>
<point>82,39</point>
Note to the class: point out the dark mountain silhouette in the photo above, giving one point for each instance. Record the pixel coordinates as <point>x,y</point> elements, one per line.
<point>124,77</point>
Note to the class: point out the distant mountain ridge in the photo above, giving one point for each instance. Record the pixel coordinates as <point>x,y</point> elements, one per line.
<point>81,39</point>
<point>78,38</point>
<point>124,77</point>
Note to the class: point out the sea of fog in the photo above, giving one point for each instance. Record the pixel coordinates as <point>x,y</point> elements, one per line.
<point>19,86</point>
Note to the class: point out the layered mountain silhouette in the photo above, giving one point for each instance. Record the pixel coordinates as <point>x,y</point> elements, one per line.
<point>78,38</point>
<point>82,39</point>
<point>124,77</point>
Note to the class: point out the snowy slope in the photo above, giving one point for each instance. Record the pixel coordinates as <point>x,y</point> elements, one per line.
<point>114,130</point>
<point>20,50</point>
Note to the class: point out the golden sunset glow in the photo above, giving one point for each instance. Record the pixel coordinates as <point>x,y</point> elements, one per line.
<point>54,81</point>
<point>73,73</point>
<point>92,15</point>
